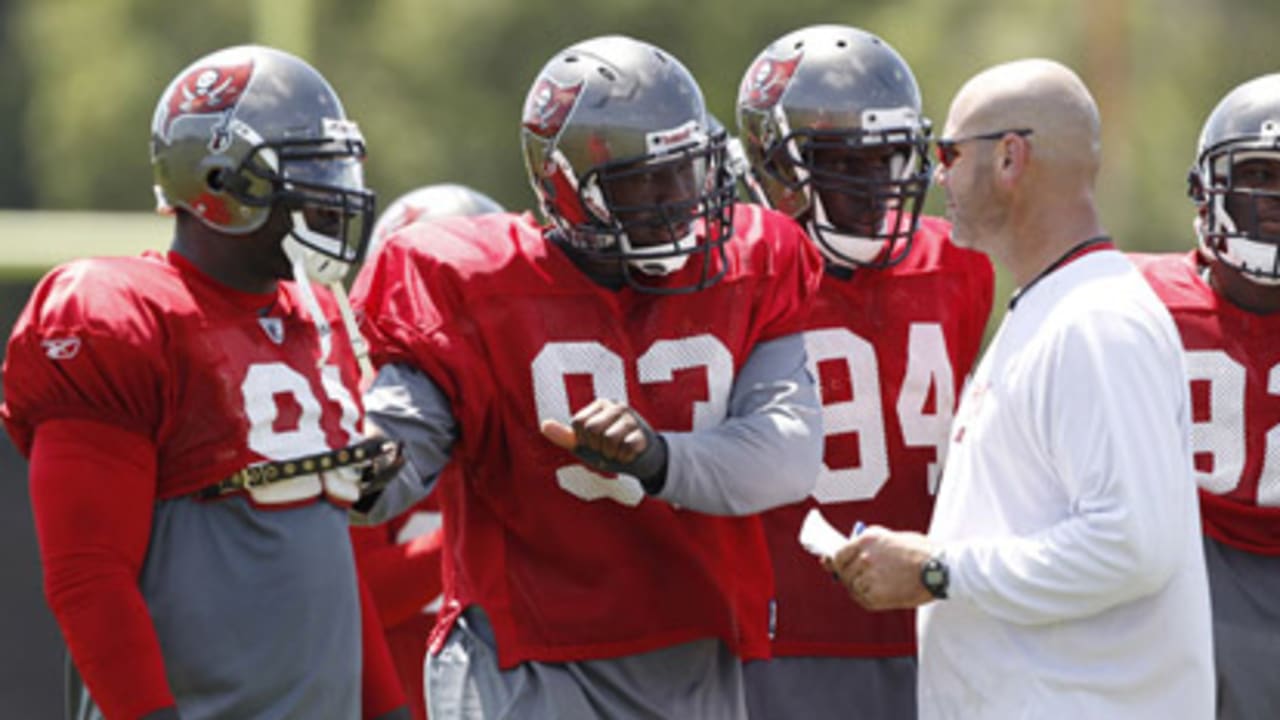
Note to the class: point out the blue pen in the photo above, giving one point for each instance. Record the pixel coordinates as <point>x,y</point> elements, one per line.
<point>858,527</point>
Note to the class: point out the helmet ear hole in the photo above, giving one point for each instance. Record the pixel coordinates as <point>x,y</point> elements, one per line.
<point>224,180</point>
<point>215,180</point>
<point>779,169</point>
<point>221,125</point>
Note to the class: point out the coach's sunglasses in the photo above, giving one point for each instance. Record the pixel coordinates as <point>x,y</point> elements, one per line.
<point>948,151</point>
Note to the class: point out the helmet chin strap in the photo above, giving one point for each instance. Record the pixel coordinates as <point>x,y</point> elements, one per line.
<point>1239,253</point>
<point>307,265</point>
<point>320,267</point>
<point>313,307</point>
<point>852,247</point>
<point>659,266</point>
<point>359,346</point>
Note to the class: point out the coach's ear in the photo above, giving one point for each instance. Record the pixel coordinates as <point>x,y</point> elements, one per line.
<point>1012,157</point>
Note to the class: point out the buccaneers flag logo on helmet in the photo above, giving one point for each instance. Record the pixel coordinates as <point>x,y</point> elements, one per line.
<point>549,107</point>
<point>206,91</point>
<point>764,84</point>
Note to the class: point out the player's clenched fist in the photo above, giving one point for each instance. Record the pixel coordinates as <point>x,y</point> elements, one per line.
<point>611,436</point>
<point>609,428</point>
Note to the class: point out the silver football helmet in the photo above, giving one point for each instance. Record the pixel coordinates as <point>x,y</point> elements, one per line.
<point>611,109</point>
<point>247,128</point>
<point>1244,126</point>
<point>827,91</point>
<point>428,201</point>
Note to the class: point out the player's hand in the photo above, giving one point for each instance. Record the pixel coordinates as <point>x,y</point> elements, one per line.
<point>382,468</point>
<point>881,569</point>
<point>385,464</point>
<point>610,429</point>
<point>610,436</point>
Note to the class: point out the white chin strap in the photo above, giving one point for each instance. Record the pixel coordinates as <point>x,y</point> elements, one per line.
<point>1248,257</point>
<point>853,247</point>
<point>664,264</point>
<point>321,268</point>
<point>308,266</point>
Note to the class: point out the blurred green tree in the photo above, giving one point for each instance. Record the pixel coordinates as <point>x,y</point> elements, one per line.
<point>438,86</point>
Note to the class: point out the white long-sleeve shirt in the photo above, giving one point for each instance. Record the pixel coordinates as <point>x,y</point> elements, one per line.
<point>1068,517</point>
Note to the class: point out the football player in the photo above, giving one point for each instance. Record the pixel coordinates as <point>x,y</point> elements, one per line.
<point>830,120</point>
<point>1225,299</point>
<point>193,419</point>
<point>428,201</point>
<point>400,559</point>
<point>625,386</point>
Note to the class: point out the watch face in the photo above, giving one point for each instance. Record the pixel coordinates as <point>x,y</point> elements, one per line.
<point>934,578</point>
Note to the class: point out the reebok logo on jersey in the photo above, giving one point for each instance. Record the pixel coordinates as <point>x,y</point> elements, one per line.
<point>274,328</point>
<point>61,348</point>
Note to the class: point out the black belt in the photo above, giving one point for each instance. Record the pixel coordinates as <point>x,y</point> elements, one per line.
<point>267,473</point>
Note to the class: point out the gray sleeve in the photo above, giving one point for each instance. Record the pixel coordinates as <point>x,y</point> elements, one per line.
<point>407,406</point>
<point>766,453</point>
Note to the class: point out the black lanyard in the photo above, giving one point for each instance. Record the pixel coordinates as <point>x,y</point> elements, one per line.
<point>1075,250</point>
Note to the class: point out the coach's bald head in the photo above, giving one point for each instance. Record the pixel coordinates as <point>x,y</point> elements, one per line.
<point>1024,196</point>
<point>1042,95</point>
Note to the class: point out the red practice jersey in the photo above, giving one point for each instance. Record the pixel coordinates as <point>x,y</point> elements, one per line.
<point>1233,361</point>
<point>153,346</point>
<point>890,349</point>
<point>566,566</point>
<point>215,380</point>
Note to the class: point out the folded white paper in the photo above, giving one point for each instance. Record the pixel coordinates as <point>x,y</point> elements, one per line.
<point>818,537</point>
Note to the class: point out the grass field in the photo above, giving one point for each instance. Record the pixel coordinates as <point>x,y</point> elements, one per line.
<point>31,242</point>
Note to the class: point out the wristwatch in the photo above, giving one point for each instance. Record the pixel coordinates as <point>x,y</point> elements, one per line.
<point>935,577</point>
